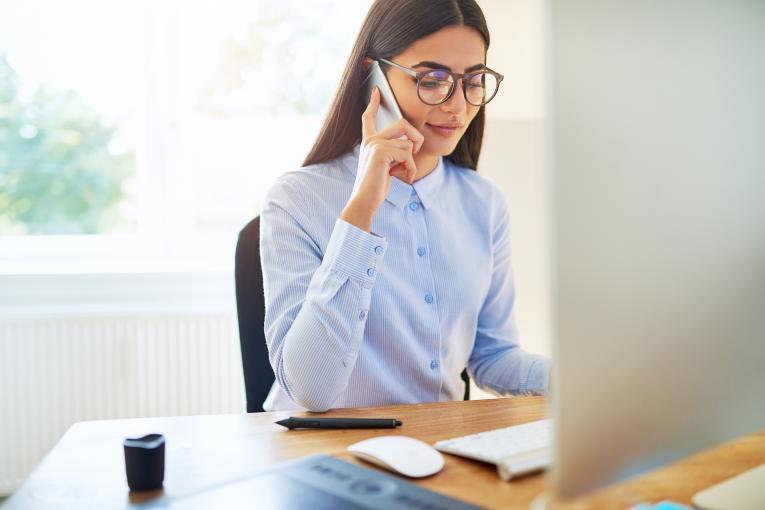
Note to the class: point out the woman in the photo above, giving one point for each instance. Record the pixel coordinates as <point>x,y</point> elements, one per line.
<point>386,261</point>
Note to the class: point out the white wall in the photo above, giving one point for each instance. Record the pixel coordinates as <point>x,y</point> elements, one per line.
<point>517,51</point>
<point>512,155</point>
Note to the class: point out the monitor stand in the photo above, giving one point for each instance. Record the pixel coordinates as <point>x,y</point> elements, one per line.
<point>742,492</point>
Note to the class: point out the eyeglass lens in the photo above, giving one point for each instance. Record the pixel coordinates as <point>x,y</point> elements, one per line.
<point>435,86</point>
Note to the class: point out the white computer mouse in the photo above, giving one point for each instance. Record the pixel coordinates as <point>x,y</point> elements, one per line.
<point>401,454</point>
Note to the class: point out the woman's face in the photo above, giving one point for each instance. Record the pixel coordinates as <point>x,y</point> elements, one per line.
<point>457,48</point>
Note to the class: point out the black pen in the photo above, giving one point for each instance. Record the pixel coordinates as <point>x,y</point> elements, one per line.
<point>339,423</point>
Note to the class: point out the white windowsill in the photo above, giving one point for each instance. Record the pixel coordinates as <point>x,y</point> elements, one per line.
<point>116,294</point>
<point>96,275</point>
<point>116,254</point>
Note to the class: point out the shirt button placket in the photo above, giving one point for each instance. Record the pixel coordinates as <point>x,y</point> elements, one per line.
<point>414,206</point>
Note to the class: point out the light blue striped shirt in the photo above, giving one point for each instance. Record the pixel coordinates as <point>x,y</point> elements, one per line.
<point>367,319</point>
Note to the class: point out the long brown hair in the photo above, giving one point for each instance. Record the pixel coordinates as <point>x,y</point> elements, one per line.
<point>389,28</point>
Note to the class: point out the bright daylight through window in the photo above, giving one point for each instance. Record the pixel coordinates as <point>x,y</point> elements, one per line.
<point>158,120</point>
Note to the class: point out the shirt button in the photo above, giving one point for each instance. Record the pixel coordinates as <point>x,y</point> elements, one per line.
<point>379,250</point>
<point>362,315</point>
<point>414,206</point>
<point>421,251</point>
<point>434,364</point>
<point>428,298</point>
<point>371,271</point>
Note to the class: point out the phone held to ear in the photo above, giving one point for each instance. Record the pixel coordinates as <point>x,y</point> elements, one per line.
<point>388,111</point>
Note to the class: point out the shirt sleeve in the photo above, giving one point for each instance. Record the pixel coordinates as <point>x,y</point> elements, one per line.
<point>497,362</point>
<point>316,303</point>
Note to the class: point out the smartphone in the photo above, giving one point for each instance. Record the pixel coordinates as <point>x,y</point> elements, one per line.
<point>388,111</point>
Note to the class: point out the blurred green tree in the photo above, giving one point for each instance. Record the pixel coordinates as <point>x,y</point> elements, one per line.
<point>57,173</point>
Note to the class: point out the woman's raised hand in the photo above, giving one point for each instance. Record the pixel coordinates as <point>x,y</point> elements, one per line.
<point>382,155</point>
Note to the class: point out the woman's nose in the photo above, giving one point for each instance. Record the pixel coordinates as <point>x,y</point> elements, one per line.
<point>456,103</point>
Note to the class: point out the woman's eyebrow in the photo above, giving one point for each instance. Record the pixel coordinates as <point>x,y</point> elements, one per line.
<point>436,65</point>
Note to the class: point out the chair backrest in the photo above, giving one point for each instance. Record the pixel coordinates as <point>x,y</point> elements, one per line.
<point>251,309</point>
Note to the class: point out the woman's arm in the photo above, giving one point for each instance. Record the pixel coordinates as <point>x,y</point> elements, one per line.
<point>497,362</point>
<point>316,303</point>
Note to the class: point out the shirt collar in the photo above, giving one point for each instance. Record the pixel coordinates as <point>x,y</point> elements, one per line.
<point>399,192</point>
<point>426,188</point>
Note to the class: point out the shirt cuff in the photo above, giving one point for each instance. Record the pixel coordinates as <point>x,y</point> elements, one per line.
<point>354,252</point>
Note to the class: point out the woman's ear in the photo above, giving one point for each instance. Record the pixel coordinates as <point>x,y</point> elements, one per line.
<point>366,63</point>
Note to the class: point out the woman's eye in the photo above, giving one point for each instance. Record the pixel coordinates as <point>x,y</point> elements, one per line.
<point>431,84</point>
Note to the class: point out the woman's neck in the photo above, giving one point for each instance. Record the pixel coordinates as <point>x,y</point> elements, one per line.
<point>425,164</point>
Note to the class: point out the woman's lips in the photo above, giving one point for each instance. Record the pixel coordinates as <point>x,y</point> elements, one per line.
<point>443,131</point>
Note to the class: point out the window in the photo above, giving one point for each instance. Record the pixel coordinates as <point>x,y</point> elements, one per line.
<point>154,128</point>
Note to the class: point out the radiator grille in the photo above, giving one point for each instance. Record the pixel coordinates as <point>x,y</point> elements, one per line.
<point>58,371</point>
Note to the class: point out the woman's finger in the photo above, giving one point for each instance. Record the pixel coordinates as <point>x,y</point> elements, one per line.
<point>403,143</point>
<point>403,127</point>
<point>369,117</point>
<point>404,167</point>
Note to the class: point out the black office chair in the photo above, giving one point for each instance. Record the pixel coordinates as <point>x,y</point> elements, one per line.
<point>251,310</point>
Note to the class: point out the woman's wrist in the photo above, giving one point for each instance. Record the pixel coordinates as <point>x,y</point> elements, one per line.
<point>358,215</point>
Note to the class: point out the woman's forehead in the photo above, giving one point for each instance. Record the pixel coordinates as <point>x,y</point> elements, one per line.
<point>457,47</point>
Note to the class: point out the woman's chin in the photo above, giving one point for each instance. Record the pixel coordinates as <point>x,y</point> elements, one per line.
<point>439,147</point>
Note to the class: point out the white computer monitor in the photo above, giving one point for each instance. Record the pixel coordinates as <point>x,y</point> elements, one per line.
<point>656,166</point>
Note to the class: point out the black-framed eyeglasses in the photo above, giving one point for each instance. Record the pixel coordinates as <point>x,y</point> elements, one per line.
<point>436,86</point>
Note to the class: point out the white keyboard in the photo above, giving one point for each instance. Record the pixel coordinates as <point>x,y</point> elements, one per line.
<point>516,450</point>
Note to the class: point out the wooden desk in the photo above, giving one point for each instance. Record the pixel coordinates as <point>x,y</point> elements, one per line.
<point>86,468</point>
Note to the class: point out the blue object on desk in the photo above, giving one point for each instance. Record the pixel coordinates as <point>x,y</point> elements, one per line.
<point>669,505</point>
<point>664,505</point>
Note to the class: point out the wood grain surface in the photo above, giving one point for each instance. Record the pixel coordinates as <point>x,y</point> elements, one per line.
<point>86,468</point>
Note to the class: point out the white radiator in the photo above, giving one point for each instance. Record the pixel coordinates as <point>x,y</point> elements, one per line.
<point>58,371</point>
